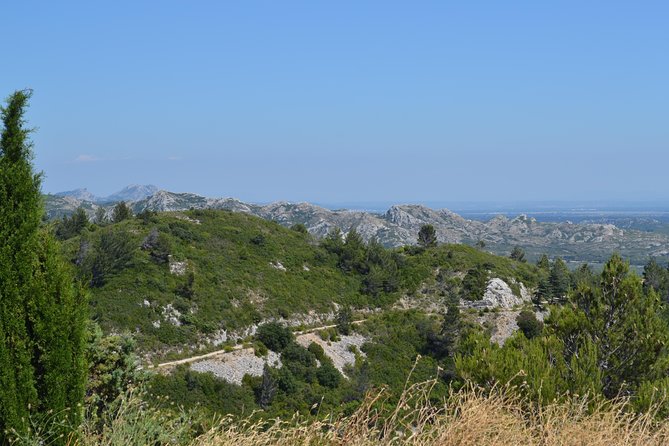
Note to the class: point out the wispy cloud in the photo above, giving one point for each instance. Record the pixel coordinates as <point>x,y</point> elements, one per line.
<point>174,158</point>
<point>86,159</point>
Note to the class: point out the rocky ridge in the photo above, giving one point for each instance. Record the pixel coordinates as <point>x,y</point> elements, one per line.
<point>399,225</point>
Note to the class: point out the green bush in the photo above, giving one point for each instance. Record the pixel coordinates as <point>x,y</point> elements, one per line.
<point>300,361</point>
<point>260,349</point>
<point>474,283</point>
<point>299,227</point>
<point>113,367</point>
<point>193,389</point>
<point>529,324</point>
<point>328,375</point>
<point>317,351</point>
<point>275,336</point>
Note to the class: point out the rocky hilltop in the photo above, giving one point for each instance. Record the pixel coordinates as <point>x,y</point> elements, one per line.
<point>133,192</point>
<point>399,225</point>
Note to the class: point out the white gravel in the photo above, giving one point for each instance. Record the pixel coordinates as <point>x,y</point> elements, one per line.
<point>338,351</point>
<point>234,365</point>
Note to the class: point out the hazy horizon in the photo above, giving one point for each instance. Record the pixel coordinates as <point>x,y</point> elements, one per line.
<point>472,209</point>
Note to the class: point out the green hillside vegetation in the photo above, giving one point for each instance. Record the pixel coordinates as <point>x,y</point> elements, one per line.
<point>232,278</point>
<point>229,279</point>
<point>237,270</point>
<point>594,346</point>
<point>449,266</point>
<point>303,386</point>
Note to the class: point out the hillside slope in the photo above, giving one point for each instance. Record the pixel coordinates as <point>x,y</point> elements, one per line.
<point>191,278</point>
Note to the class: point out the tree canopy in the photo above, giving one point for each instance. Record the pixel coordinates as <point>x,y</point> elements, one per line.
<point>42,309</point>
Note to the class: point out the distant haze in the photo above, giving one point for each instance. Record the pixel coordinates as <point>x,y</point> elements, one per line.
<point>348,102</point>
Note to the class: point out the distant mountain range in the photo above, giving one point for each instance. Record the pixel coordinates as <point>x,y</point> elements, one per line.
<point>399,225</point>
<point>133,192</point>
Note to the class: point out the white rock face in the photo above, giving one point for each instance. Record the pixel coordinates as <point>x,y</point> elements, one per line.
<point>172,315</point>
<point>178,268</point>
<point>498,294</point>
<point>278,265</point>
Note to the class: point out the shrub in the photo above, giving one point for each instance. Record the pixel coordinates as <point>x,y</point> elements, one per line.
<point>258,240</point>
<point>72,226</point>
<point>518,254</point>
<point>317,351</point>
<point>275,336</point>
<point>474,283</point>
<point>300,361</point>
<point>529,324</point>
<point>328,375</point>
<point>260,349</point>
<point>158,246</point>
<point>299,227</point>
<point>113,367</point>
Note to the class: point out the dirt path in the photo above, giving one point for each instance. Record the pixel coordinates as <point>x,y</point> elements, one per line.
<point>505,325</point>
<point>235,348</point>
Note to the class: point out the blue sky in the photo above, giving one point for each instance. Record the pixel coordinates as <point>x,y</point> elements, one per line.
<point>355,101</point>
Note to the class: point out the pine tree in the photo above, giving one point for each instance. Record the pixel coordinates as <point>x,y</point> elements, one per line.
<point>451,328</point>
<point>427,236</point>
<point>42,310</point>
<point>559,279</point>
<point>100,216</point>
<point>583,275</point>
<point>72,226</point>
<point>267,389</point>
<point>625,325</point>
<point>333,242</point>
<point>544,291</point>
<point>656,278</point>
<point>352,257</point>
<point>518,254</point>
<point>544,263</point>
<point>474,283</point>
<point>121,212</point>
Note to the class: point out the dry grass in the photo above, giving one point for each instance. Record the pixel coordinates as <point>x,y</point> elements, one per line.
<point>468,417</point>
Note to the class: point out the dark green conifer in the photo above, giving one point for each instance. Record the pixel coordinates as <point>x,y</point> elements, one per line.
<point>42,310</point>
<point>559,279</point>
<point>121,212</point>
<point>544,263</point>
<point>656,277</point>
<point>427,236</point>
<point>518,254</point>
<point>623,322</point>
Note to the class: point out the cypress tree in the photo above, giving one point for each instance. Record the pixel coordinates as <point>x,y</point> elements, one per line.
<point>42,309</point>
